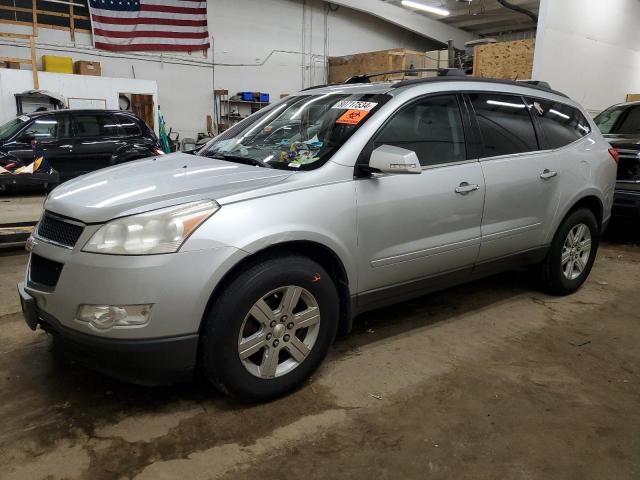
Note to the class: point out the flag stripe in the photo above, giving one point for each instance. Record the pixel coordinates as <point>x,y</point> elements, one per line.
<point>170,9</point>
<point>149,47</point>
<point>146,28</point>
<point>147,34</point>
<point>148,21</point>
<point>138,15</point>
<point>176,3</point>
<point>158,40</point>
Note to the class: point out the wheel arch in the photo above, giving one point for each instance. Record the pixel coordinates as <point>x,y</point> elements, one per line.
<point>315,251</point>
<point>590,200</point>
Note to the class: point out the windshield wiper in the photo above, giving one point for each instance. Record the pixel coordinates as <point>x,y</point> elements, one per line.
<point>240,159</point>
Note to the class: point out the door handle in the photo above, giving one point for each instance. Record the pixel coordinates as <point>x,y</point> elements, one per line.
<point>465,188</point>
<point>66,146</point>
<point>547,174</point>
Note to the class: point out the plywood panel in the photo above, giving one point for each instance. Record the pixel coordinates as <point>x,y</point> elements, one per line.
<point>342,68</point>
<point>507,60</point>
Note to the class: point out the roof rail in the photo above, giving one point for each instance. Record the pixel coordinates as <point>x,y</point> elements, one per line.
<point>442,72</point>
<point>537,83</point>
<point>534,84</point>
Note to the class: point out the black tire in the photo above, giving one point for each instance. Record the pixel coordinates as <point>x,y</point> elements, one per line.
<point>553,277</point>
<point>219,357</point>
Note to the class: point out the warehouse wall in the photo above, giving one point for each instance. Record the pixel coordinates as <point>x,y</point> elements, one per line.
<point>75,86</point>
<point>244,34</point>
<point>589,49</point>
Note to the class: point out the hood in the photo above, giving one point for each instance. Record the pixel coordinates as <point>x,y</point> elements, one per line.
<point>152,183</point>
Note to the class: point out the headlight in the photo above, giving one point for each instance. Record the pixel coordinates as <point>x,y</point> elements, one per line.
<point>158,231</point>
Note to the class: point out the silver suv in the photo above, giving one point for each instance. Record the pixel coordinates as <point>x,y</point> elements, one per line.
<point>244,260</point>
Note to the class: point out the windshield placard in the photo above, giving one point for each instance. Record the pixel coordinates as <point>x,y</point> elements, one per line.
<point>355,105</point>
<point>352,117</point>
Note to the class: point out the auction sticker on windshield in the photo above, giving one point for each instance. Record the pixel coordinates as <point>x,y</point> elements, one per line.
<point>352,117</point>
<point>355,105</point>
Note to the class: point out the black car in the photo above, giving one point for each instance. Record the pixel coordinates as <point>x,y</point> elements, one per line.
<point>620,125</point>
<point>75,142</point>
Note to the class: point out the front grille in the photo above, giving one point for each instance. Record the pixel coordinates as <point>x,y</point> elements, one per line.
<point>629,166</point>
<point>59,231</point>
<point>44,271</point>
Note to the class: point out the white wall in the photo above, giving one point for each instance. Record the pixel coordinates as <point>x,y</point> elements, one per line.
<point>244,34</point>
<point>589,49</point>
<point>77,86</point>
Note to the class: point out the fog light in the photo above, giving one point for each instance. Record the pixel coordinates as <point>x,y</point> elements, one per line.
<point>104,317</point>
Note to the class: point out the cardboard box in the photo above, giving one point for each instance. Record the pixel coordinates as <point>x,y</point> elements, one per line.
<point>88,68</point>
<point>54,63</point>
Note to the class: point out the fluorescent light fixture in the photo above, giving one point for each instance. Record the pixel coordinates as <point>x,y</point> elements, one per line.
<point>425,8</point>
<point>505,104</point>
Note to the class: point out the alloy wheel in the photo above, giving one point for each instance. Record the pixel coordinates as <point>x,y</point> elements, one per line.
<point>576,251</point>
<point>279,332</point>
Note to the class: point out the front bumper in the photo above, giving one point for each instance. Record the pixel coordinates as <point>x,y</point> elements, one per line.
<point>178,286</point>
<point>147,362</point>
<point>626,203</point>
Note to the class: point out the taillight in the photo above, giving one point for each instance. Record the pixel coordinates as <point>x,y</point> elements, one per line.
<point>615,155</point>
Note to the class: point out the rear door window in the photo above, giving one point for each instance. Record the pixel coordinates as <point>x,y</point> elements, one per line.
<point>560,124</point>
<point>128,125</point>
<point>95,125</point>
<point>505,124</point>
<point>431,127</point>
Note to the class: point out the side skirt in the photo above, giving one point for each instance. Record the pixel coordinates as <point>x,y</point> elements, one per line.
<point>397,293</point>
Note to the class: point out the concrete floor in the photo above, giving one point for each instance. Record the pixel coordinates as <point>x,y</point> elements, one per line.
<point>26,207</point>
<point>491,380</point>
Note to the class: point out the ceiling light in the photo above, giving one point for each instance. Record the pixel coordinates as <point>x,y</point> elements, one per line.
<point>425,8</point>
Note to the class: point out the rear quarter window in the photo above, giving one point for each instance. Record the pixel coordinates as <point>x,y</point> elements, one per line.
<point>560,123</point>
<point>128,126</point>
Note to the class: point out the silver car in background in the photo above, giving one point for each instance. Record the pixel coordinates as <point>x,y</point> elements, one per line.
<point>245,260</point>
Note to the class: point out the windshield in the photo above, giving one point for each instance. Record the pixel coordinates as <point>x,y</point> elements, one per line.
<point>301,133</point>
<point>12,126</point>
<point>622,120</point>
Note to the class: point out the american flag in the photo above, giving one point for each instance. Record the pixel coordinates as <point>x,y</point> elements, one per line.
<point>164,25</point>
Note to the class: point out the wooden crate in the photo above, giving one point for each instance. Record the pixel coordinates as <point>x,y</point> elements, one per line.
<point>83,67</point>
<point>506,60</point>
<point>342,68</point>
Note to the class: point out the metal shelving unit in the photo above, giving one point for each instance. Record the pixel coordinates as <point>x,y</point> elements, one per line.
<point>232,111</point>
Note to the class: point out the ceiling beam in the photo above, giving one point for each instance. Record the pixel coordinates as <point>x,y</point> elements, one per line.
<point>488,20</point>
<point>409,20</point>
<point>492,7</point>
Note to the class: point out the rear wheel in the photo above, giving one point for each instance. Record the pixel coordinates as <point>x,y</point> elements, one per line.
<point>270,328</point>
<point>572,253</point>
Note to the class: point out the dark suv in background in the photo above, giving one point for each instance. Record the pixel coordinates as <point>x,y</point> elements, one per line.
<point>620,125</point>
<point>75,142</point>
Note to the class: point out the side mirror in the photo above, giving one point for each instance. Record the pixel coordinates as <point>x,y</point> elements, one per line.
<point>390,159</point>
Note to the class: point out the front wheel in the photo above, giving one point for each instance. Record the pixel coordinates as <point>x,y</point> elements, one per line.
<point>270,328</point>
<point>572,253</point>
